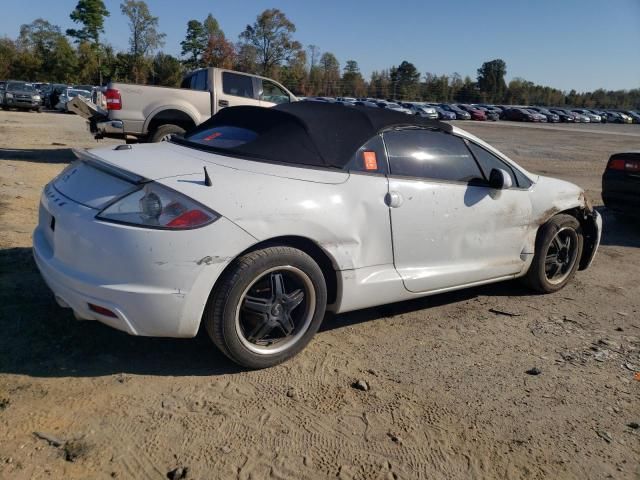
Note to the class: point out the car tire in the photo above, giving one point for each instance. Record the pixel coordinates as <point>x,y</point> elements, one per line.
<point>164,131</point>
<point>233,324</point>
<point>557,254</point>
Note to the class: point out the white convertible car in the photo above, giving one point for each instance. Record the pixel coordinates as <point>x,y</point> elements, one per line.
<point>260,220</point>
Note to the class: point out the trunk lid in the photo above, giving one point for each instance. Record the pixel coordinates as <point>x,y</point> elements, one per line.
<point>165,159</point>
<point>101,175</point>
<point>85,183</point>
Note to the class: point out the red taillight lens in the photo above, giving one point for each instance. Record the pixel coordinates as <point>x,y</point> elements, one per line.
<point>191,218</point>
<point>102,310</point>
<point>625,165</point>
<point>616,164</point>
<point>114,100</point>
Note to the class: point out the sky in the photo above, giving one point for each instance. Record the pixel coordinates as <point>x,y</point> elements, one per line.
<point>567,44</point>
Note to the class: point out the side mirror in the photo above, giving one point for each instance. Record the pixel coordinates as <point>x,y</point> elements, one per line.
<point>499,179</point>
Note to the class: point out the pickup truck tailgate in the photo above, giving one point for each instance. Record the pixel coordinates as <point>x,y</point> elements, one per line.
<point>87,109</point>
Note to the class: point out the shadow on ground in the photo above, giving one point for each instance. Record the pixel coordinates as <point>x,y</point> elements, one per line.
<point>41,339</point>
<point>44,155</point>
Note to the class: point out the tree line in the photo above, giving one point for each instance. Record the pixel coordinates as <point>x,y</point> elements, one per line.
<point>42,52</point>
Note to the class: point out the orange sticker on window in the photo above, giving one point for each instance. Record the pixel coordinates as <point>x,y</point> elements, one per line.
<point>370,161</point>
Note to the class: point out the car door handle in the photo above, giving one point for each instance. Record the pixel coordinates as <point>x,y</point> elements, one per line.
<point>393,199</point>
<point>223,103</point>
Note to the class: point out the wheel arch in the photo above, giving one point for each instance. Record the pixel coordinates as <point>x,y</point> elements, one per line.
<point>587,218</point>
<point>324,260</point>
<point>168,116</point>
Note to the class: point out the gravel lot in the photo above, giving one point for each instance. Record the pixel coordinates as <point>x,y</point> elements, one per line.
<point>449,395</point>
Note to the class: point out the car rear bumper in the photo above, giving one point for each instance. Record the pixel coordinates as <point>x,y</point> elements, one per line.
<point>621,192</point>
<point>106,128</point>
<point>155,283</point>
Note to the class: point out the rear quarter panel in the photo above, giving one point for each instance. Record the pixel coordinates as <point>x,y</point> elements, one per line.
<point>344,214</point>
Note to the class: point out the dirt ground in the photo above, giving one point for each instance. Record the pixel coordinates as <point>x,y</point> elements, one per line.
<point>449,395</point>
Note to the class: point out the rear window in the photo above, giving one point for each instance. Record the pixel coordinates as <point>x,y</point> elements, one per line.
<point>223,137</point>
<point>237,85</point>
<point>199,81</point>
<point>20,86</point>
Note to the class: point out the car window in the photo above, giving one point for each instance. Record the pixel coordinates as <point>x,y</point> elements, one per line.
<point>186,82</point>
<point>488,161</point>
<point>273,93</point>
<point>223,136</point>
<point>370,158</point>
<point>199,81</point>
<point>237,85</point>
<point>430,154</point>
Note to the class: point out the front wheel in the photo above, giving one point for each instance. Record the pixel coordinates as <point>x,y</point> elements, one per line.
<point>557,255</point>
<point>267,306</point>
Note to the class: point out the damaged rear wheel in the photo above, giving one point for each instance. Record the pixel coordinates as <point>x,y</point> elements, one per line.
<point>558,250</point>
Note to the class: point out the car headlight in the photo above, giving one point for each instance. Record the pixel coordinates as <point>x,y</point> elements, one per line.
<point>155,206</point>
<point>36,97</point>
<point>9,95</point>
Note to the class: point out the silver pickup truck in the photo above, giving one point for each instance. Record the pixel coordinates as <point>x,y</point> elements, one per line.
<point>151,113</point>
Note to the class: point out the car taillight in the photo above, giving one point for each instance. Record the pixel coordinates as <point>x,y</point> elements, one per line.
<point>114,99</point>
<point>624,164</point>
<point>156,206</point>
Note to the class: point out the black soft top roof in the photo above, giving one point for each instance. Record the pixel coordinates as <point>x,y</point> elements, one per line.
<point>308,133</point>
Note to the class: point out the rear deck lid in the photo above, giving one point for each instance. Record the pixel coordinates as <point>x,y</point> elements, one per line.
<point>93,183</point>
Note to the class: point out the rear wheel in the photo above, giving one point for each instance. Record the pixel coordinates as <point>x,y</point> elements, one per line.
<point>557,254</point>
<point>164,132</point>
<point>267,306</point>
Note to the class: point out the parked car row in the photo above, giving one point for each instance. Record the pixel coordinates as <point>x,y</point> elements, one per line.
<point>21,95</point>
<point>462,111</point>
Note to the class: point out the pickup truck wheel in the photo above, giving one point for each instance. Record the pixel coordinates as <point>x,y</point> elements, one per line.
<point>557,255</point>
<point>267,306</point>
<point>164,132</point>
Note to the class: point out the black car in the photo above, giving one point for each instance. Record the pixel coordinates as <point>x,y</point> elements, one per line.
<point>614,117</point>
<point>551,117</point>
<point>460,114</point>
<point>519,115</point>
<point>621,184</point>
<point>565,116</point>
<point>51,94</point>
<point>490,113</point>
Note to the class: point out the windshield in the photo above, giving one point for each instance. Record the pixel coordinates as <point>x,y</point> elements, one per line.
<point>23,87</point>
<point>75,93</point>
